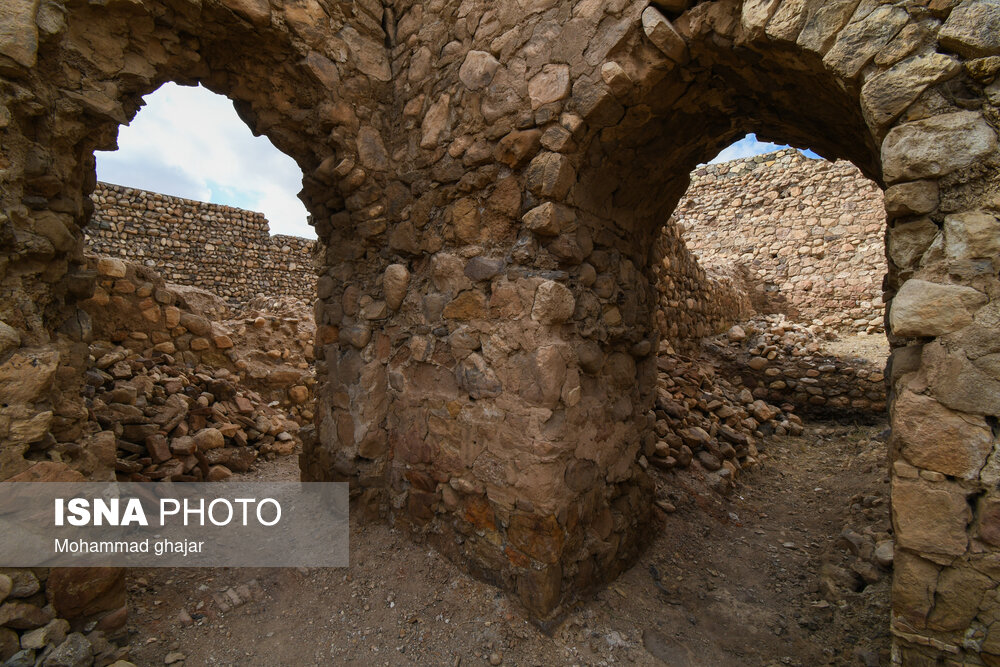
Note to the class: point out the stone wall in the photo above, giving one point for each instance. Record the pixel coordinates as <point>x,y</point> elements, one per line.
<point>695,303</point>
<point>487,181</point>
<point>226,250</point>
<point>783,362</point>
<point>808,232</point>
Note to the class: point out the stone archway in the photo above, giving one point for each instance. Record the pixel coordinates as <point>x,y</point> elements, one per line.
<point>487,180</point>
<point>69,77</point>
<point>73,75</point>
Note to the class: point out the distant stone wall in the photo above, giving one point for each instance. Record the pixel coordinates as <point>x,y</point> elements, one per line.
<point>695,303</point>
<point>808,232</point>
<point>226,250</point>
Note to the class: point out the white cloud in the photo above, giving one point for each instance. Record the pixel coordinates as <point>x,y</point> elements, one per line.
<point>189,142</point>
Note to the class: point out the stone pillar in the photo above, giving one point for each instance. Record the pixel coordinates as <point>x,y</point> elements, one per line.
<point>487,396</point>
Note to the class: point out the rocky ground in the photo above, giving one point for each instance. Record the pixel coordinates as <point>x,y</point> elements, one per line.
<point>773,544</point>
<point>182,388</point>
<point>789,569</point>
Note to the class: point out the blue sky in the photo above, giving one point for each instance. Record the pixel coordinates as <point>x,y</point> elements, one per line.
<point>189,142</point>
<point>748,146</point>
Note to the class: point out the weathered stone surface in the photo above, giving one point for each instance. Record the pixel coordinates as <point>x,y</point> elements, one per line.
<point>548,219</point>
<point>973,29</point>
<point>931,517</point>
<point>435,122</point>
<point>478,69</point>
<point>756,13</point>
<point>550,175</point>
<point>914,198</point>
<point>549,85</point>
<point>932,437</point>
<point>884,97</point>
<point>23,615</point>
<point>23,582</point>
<point>257,12</point>
<point>663,35</point>
<point>79,591</point>
<point>74,651</point>
<point>972,235</point>
<point>26,374</point>
<point>468,305</point>
<point>616,77</point>
<point>922,308</point>
<point>913,587</point>
<point>369,54</point>
<point>936,146</point>
<point>958,383</point>
<point>113,268</point>
<point>18,33</point>
<point>209,438</point>
<point>909,241</point>
<point>371,149</point>
<point>516,148</point>
<point>554,303</point>
<point>483,268</point>
<point>823,23</point>
<point>48,471</point>
<point>10,338</point>
<point>862,38</point>
<point>477,378</point>
<point>957,597</point>
<point>395,282</point>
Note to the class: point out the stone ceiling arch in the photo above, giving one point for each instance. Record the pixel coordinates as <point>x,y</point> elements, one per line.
<point>296,75</point>
<point>487,180</point>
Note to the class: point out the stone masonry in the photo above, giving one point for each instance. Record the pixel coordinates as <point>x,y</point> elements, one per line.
<point>223,249</point>
<point>487,181</point>
<point>808,232</point>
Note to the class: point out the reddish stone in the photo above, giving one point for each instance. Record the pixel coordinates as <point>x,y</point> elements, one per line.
<point>113,620</point>
<point>516,558</point>
<point>479,513</point>
<point>538,536</point>
<point>158,448</point>
<point>409,447</point>
<point>421,481</point>
<point>23,616</point>
<point>84,591</point>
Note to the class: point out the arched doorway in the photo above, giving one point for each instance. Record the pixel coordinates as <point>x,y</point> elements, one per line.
<point>488,216</point>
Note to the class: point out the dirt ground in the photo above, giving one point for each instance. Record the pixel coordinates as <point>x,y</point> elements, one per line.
<point>762,577</point>
<point>873,347</point>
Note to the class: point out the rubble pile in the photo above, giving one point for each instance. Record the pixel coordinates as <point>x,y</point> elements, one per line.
<point>33,632</point>
<point>180,394</point>
<point>181,424</point>
<point>783,361</point>
<point>706,421</point>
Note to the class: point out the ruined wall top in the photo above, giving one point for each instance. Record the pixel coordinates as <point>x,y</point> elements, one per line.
<point>807,232</point>
<point>226,250</point>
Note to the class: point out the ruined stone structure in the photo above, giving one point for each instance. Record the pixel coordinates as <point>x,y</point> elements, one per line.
<point>692,302</point>
<point>226,250</point>
<point>782,362</point>
<point>487,181</point>
<point>808,232</point>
